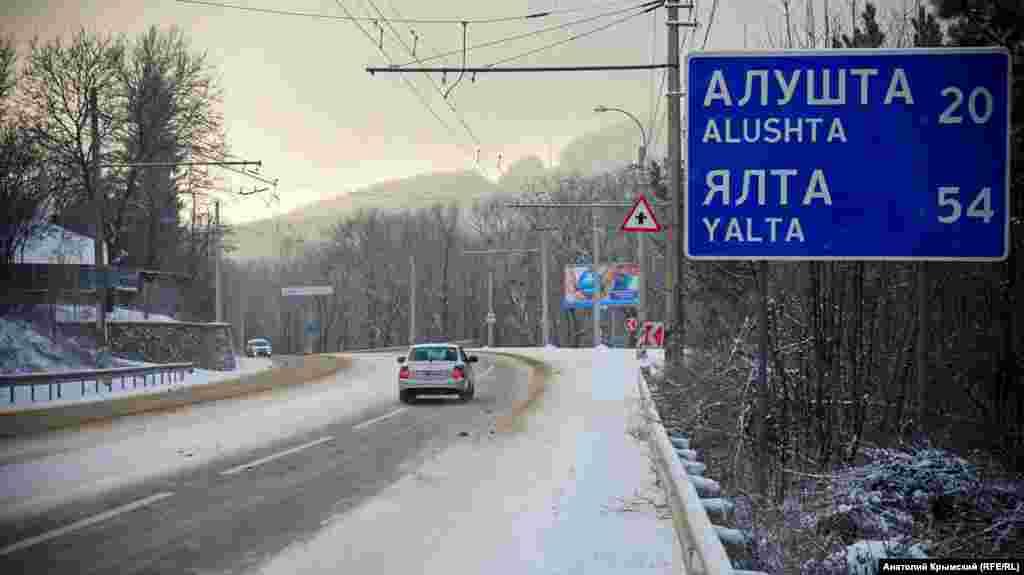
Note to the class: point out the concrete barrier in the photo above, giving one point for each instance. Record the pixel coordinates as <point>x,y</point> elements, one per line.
<point>700,540</point>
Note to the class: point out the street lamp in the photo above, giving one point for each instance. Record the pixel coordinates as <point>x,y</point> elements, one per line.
<point>643,133</point>
<point>640,248</point>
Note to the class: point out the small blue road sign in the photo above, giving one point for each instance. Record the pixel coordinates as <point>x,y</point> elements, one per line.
<point>848,155</point>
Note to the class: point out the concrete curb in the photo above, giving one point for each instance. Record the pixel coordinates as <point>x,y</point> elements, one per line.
<point>703,553</point>
<point>28,422</point>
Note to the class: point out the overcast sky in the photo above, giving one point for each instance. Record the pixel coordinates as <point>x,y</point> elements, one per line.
<point>298,98</point>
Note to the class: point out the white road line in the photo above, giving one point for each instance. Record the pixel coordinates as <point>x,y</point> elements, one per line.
<point>84,523</point>
<point>261,461</point>
<point>376,419</point>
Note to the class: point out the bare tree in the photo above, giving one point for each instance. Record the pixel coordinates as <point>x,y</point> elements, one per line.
<point>54,94</point>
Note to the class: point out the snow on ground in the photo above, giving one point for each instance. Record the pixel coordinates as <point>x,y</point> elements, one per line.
<point>56,245</point>
<point>71,392</point>
<point>23,349</point>
<point>67,313</point>
<point>38,473</point>
<point>567,495</point>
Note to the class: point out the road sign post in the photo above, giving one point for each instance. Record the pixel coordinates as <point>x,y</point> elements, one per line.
<point>849,155</point>
<point>631,324</point>
<point>311,325</point>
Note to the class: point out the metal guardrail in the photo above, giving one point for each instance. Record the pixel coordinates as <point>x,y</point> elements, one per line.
<point>159,374</point>
<point>691,497</point>
<point>463,342</point>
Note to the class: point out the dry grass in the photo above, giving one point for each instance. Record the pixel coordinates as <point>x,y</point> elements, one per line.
<point>313,368</point>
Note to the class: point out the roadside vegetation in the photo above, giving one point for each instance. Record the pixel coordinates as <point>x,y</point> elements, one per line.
<point>878,440</point>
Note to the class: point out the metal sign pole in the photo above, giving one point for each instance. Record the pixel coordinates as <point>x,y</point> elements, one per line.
<point>490,308</point>
<point>595,294</point>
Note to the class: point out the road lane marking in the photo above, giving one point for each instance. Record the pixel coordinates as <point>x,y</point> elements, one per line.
<point>251,464</point>
<point>379,418</point>
<point>85,523</point>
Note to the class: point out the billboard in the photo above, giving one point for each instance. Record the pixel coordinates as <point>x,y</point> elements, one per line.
<point>618,285</point>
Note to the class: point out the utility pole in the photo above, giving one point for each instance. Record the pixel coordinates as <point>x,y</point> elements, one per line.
<point>412,300</point>
<point>641,183</point>
<point>595,295</point>
<point>675,307</point>
<point>218,314</point>
<point>545,325</point>
<point>641,249</point>
<point>243,305</point>
<point>100,241</point>
<point>491,319</point>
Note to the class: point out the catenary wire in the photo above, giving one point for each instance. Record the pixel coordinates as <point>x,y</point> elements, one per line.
<point>711,21</point>
<point>437,88</point>
<point>575,36</point>
<point>537,32</point>
<point>494,20</point>
<point>408,83</point>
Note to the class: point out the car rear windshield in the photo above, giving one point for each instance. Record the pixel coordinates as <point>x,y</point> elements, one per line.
<point>435,354</point>
<point>258,342</point>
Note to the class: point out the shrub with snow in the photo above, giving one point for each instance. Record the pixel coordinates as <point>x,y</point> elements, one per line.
<point>884,497</point>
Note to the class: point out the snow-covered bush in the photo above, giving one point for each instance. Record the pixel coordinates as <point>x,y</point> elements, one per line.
<point>883,497</point>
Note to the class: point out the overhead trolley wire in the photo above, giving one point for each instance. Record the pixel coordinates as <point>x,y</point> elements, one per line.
<point>408,83</point>
<point>352,18</point>
<point>711,21</point>
<point>537,32</point>
<point>437,88</point>
<point>650,8</point>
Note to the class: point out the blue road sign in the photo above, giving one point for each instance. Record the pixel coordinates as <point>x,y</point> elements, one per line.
<point>848,154</point>
<point>312,327</point>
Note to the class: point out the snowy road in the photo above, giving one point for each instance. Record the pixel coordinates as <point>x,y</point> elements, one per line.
<point>571,493</point>
<point>347,480</point>
<point>225,486</point>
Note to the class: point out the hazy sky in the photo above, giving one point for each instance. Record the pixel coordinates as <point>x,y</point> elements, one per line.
<point>298,98</point>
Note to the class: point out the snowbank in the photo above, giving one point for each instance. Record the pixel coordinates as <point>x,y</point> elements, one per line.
<point>71,392</point>
<point>23,350</point>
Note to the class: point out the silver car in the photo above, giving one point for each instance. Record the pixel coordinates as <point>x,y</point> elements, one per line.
<point>258,346</point>
<point>436,369</point>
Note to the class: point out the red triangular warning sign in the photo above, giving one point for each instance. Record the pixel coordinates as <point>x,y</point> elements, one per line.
<point>641,218</point>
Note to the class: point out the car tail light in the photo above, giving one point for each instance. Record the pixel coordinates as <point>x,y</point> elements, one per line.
<point>403,373</point>
<point>457,373</point>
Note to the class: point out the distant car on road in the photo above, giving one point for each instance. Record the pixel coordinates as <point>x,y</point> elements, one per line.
<point>436,369</point>
<point>258,346</point>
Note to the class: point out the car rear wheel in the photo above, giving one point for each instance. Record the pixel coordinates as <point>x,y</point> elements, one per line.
<point>468,394</point>
<point>405,396</point>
